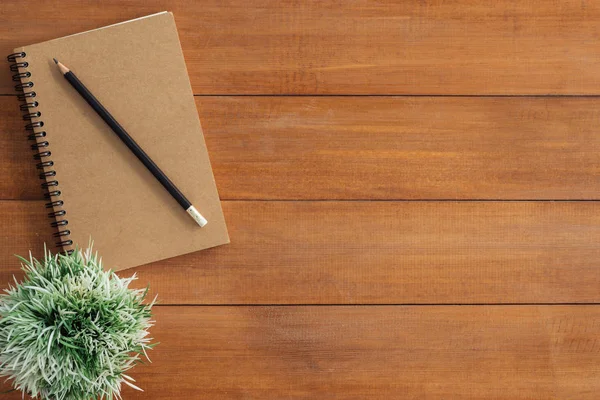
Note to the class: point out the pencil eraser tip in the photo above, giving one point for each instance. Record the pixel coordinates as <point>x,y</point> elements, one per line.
<point>200,220</point>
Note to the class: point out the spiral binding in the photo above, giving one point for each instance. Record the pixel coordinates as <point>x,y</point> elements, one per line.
<point>40,146</point>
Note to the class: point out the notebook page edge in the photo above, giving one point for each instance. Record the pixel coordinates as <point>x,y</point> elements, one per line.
<point>21,48</point>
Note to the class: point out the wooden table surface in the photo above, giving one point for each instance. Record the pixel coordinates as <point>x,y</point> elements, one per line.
<point>412,191</point>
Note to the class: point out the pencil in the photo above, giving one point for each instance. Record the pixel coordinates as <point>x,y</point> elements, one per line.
<point>131,144</point>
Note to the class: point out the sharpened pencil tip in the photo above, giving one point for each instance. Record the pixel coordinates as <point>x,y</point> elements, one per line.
<point>64,70</point>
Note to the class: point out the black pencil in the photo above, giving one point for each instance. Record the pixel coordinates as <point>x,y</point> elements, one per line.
<point>131,144</point>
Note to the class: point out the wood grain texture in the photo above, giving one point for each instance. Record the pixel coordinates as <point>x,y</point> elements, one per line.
<point>376,148</point>
<point>439,352</point>
<point>369,253</point>
<point>358,47</point>
<point>363,253</point>
<point>16,157</point>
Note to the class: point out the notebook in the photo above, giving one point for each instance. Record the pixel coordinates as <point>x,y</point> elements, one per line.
<point>96,188</point>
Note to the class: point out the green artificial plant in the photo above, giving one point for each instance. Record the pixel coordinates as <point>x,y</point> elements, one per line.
<point>70,330</point>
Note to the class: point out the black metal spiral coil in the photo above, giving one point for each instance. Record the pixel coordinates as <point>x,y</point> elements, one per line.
<point>50,186</point>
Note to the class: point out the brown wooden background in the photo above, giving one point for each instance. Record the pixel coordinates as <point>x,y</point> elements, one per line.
<point>411,190</point>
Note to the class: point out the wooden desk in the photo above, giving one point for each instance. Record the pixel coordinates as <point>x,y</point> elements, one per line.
<point>411,190</point>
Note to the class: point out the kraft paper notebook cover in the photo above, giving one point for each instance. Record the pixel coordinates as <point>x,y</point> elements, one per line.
<point>136,69</point>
